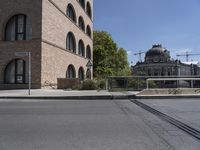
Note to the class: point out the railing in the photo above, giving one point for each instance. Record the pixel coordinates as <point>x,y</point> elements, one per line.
<point>138,83</point>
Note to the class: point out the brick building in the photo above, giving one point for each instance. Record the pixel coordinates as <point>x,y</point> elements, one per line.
<point>58,33</point>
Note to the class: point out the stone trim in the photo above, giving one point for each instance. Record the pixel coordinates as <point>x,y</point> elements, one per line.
<point>33,39</point>
<point>64,49</point>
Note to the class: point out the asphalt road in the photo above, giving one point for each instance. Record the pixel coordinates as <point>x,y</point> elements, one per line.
<point>86,125</point>
<point>185,110</point>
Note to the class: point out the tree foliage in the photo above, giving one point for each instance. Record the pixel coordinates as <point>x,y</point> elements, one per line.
<point>108,59</point>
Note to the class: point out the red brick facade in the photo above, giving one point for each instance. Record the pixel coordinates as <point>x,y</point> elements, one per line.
<point>49,26</point>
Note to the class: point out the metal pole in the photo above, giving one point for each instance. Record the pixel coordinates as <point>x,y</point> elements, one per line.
<point>107,84</point>
<point>192,84</point>
<point>147,84</point>
<point>29,73</point>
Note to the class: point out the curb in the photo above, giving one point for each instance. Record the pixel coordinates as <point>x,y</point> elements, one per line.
<point>101,97</point>
<point>166,96</point>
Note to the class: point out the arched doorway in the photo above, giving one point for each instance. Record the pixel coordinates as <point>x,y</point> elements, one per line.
<point>81,73</point>
<point>88,74</point>
<point>15,72</point>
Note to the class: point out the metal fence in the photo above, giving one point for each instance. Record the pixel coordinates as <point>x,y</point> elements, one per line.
<point>137,83</point>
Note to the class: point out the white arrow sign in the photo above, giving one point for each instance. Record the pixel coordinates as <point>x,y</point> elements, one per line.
<point>89,64</point>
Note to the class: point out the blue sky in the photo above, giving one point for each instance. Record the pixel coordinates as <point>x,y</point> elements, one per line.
<point>137,24</point>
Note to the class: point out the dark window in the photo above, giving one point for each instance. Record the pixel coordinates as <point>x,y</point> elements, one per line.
<point>81,48</point>
<point>89,11</point>
<point>82,3</point>
<point>71,42</point>
<point>15,72</point>
<point>81,73</point>
<point>71,13</point>
<point>88,52</point>
<point>71,74</point>
<point>81,23</point>
<point>149,72</point>
<point>88,31</point>
<point>162,71</point>
<point>18,28</point>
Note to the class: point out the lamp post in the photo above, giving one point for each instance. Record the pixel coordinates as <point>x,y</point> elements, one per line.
<point>29,73</point>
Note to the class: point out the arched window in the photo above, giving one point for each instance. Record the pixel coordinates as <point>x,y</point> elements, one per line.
<point>81,23</point>
<point>71,42</point>
<point>82,3</point>
<point>71,12</point>
<point>89,11</point>
<point>81,48</point>
<point>88,31</point>
<point>71,73</point>
<point>18,27</point>
<point>81,73</point>
<point>88,74</point>
<point>88,52</point>
<point>15,72</point>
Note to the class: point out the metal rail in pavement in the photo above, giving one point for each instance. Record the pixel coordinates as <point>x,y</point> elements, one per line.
<point>184,127</point>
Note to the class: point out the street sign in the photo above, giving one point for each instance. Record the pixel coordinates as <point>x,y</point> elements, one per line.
<point>89,64</point>
<point>21,54</point>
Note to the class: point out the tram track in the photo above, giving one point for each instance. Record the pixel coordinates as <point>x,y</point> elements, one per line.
<point>184,127</point>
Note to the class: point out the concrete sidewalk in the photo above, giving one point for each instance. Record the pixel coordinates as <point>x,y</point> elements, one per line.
<point>166,94</point>
<point>64,94</point>
<point>183,96</point>
<point>83,95</point>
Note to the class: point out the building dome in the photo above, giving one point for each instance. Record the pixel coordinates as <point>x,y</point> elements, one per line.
<point>157,54</point>
<point>155,50</point>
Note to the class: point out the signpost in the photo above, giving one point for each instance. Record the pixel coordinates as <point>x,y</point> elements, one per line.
<point>25,54</point>
<point>89,64</point>
<point>89,67</point>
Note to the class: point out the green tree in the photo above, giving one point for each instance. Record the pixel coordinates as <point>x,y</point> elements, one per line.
<point>108,59</point>
<point>104,50</point>
<point>122,65</point>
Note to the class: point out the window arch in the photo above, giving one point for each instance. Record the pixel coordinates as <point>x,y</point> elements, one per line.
<point>81,48</point>
<point>71,73</point>
<point>81,23</point>
<point>88,31</point>
<point>81,73</point>
<point>15,72</point>
<point>88,52</point>
<point>88,74</point>
<point>71,12</point>
<point>89,10</point>
<point>18,27</point>
<point>71,42</point>
<point>82,3</point>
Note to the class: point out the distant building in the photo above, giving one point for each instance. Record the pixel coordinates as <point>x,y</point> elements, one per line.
<point>58,33</point>
<point>158,62</point>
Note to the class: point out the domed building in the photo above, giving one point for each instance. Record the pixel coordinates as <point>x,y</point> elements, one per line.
<point>157,54</point>
<point>158,62</point>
